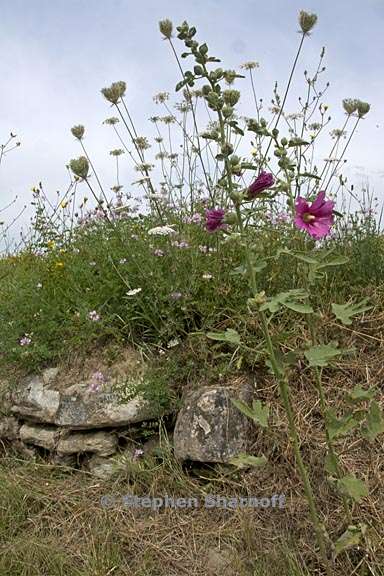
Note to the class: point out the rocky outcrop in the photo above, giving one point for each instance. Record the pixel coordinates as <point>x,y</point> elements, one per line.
<point>77,407</point>
<point>101,443</point>
<point>209,428</point>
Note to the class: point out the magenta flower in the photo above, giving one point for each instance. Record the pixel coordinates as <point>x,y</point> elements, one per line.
<point>214,219</point>
<point>315,218</point>
<point>263,181</point>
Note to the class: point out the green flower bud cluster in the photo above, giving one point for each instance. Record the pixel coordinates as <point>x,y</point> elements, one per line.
<point>80,167</point>
<point>307,21</point>
<point>78,131</point>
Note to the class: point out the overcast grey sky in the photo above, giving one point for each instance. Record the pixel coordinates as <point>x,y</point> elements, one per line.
<point>56,55</point>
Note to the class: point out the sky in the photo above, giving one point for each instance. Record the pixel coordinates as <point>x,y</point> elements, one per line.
<point>56,55</point>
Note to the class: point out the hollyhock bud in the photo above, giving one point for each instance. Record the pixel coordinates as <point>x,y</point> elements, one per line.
<point>80,167</point>
<point>214,219</point>
<point>263,181</point>
<point>307,21</point>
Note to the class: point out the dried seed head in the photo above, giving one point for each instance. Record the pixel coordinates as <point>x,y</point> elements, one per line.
<point>78,131</point>
<point>114,92</point>
<point>80,167</point>
<point>231,97</point>
<point>117,152</point>
<point>350,105</point>
<point>307,21</point>
<point>111,121</point>
<point>362,108</point>
<point>166,28</point>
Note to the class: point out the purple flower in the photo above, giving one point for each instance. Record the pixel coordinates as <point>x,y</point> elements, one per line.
<point>263,181</point>
<point>214,219</point>
<point>315,218</point>
<point>25,340</point>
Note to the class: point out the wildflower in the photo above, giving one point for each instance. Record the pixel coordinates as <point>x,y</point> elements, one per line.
<point>80,167</point>
<point>161,231</point>
<point>214,219</point>
<point>137,453</point>
<point>362,108</point>
<point>117,152</point>
<point>172,343</point>
<point>350,105</point>
<point>316,218</point>
<point>207,276</point>
<point>175,295</point>
<point>250,65</point>
<point>133,292</point>
<point>307,21</point>
<point>63,204</point>
<point>122,261</point>
<point>94,316</point>
<point>114,92</point>
<point>263,181</point>
<point>59,264</point>
<point>166,27</point>
<point>93,263</point>
<point>111,121</point>
<point>39,285</point>
<point>78,131</point>
<point>25,340</point>
<point>195,218</point>
<point>158,252</point>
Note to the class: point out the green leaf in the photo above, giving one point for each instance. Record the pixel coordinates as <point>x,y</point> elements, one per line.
<point>321,354</point>
<point>353,487</point>
<point>374,422</point>
<point>351,537</point>
<point>291,299</point>
<point>230,336</point>
<point>358,394</point>
<point>339,426</point>
<point>297,307</point>
<point>345,312</point>
<point>335,261</point>
<point>331,464</point>
<point>259,412</point>
<point>246,461</point>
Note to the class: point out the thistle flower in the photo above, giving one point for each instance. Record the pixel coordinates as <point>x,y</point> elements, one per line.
<point>80,167</point>
<point>78,131</point>
<point>315,218</point>
<point>166,28</point>
<point>263,181</point>
<point>214,219</point>
<point>114,92</point>
<point>307,21</point>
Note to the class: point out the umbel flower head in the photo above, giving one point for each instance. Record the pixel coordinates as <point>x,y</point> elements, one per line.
<point>78,131</point>
<point>166,28</point>
<point>114,92</point>
<point>350,105</point>
<point>263,181</point>
<point>362,108</point>
<point>80,167</point>
<point>315,218</point>
<point>214,219</point>
<point>307,21</point>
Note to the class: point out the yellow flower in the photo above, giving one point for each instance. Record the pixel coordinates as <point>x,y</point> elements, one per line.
<point>63,204</point>
<point>254,152</point>
<point>51,244</point>
<point>59,264</point>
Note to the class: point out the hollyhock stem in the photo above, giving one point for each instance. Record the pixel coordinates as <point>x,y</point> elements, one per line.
<point>323,407</point>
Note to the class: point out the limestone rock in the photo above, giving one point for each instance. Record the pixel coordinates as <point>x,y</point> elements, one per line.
<point>43,436</point>
<point>101,443</point>
<point>209,428</point>
<point>103,468</point>
<point>76,407</point>
<point>9,428</point>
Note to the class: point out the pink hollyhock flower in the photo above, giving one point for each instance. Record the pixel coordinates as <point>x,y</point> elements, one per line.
<point>214,219</point>
<point>263,181</point>
<point>315,218</point>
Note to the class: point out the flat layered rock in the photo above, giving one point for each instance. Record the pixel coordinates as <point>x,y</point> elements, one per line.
<point>101,443</point>
<point>209,428</point>
<point>43,436</point>
<point>76,408</point>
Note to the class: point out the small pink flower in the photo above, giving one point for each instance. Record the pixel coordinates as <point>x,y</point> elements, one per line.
<point>263,181</point>
<point>315,218</point>
<point>158,252</point>
<point>214,219</point>
<point>175,295</point>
